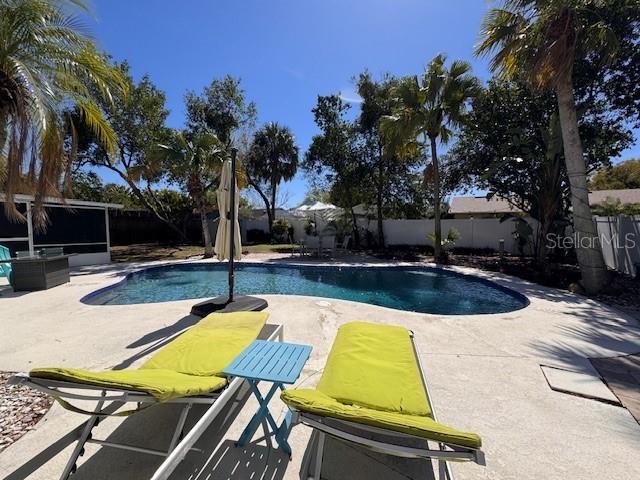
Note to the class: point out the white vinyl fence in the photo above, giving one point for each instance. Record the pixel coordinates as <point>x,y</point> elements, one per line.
<point>474,232</point>
<point>263,224</point>
<point>481,233</point>
<point>620,240</point>
<point>619,236</point>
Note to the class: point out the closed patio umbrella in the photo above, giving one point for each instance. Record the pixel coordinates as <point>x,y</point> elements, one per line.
<point>228,246</point>
<point>223,235</point>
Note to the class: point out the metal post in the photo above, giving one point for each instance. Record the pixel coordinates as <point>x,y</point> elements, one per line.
<point>108,235</point>
<point>232,218</point>
<point>30,229</point>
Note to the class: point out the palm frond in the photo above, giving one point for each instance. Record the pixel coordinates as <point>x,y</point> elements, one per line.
<point>98,124</point>
<point>49,64</point>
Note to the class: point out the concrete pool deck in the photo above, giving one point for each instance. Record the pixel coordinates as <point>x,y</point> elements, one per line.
<point>484,370</point>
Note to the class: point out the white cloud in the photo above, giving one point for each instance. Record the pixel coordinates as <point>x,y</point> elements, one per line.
<point>349,95</point>
<point>297,74</point>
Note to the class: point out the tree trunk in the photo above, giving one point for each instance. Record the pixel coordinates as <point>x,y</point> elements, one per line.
<point>272,217</point>
<point>67,184</point>
<point>541,246</point>
<point>587,244</point>
<point>3,130</point>
<point>138,193</point>
<point>379,193</point>
<point>437,245</point>
<point>265,199</point>
<point>208,247</point>
<point>356,232</point>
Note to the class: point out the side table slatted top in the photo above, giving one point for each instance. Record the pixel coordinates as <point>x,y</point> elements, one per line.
<point>274,362</point>
<point>263,360</point>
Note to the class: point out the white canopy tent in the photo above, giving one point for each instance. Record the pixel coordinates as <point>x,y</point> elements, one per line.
<point>316,207</point>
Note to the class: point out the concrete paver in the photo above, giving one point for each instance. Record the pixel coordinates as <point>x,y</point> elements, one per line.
<point>581,384</point>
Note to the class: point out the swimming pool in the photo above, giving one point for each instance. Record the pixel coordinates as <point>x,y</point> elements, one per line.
<point>418,289</point>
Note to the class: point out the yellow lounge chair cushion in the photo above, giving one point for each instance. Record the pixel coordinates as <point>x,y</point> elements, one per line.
<point>162,384</point>
<point>192,364</point>
<point>372,377</point>
<point>374,366</point>
<point>314,401</point>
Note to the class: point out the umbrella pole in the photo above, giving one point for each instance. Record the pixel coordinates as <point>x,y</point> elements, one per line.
<point>232,218</point>
<point>227,304</point>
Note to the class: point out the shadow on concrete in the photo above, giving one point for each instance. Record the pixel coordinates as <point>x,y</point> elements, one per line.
<point>165,332</point>
<point>600,327</point>
<point>6,291</point>
<point>152,428</point>
<point>26,469</point>
<point>156,340</point>
<point>253,461</point>
<point>215,458</point>
<point>346,460</point>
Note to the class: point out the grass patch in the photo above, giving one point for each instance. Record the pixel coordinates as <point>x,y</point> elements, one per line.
<point>149,252</point>
<point>267,248</point>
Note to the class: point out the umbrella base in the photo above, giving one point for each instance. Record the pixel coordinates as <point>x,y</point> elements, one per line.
<point>241,303</point>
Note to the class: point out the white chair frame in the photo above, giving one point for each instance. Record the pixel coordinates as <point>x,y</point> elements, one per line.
<point>323,426</point>
<point>180,444</point>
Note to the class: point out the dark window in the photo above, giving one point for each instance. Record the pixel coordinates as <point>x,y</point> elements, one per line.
<point>16,247</point>
<point>68,249</point>
<point>73,225</point>
<point>10,229</point>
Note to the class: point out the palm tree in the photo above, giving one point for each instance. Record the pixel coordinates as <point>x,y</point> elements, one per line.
<point>427,110</point>
<point>195,162</point>
<point>50,74</point>
<point>272,158</point>
<point>540,40</point>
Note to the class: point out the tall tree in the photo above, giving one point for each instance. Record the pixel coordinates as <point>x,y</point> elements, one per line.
<point>194,161</point>
<point>377,102</point>
<point>511,145</point>
<point>139,122</point>
<point>221,109</point>
<point>272,158</point>
<point>542,40</point>
<point>47,62</point>
<point>87,186</point>
<point>620,176</point>
<point>426,111</point>
<point>334,161</point>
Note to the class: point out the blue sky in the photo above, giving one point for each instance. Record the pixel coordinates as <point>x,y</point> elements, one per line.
<point>285,51</point>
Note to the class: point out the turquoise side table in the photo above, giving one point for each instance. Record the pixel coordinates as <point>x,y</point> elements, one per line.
<point>264,361</point>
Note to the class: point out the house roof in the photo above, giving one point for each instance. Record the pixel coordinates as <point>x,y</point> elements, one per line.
<point>499,205</point>
<point>631,195</point>
<point>480,205</point>
<point>20,198</point>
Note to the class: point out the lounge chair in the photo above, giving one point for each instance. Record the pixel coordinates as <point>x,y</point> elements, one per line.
<point>343,247</point>
<point>5,267</point>
<point>186,371</point>
<point>373,385</point>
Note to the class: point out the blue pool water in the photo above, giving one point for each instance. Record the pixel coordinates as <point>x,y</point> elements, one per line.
<point>418,289</point>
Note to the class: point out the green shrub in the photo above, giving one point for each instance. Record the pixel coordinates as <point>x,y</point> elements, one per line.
<point>453,235</point>
<point>310,227</point>
<point>282,230</point>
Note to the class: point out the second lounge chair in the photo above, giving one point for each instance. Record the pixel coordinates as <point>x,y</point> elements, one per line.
<point>373,383</point>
